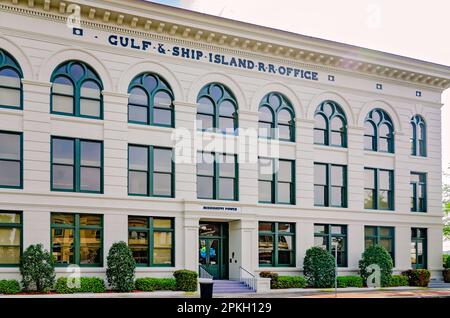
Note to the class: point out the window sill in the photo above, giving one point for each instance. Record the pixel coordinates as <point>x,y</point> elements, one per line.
<point>418,157</point>
<point>379,154</point>
<point>75,119</point>
<point>330,148</point>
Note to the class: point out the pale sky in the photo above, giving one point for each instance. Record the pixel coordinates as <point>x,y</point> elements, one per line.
<point>413,28</point>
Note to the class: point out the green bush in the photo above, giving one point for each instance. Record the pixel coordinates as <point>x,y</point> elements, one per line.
<point>319,268</point>
<point>418,277</point>
<point>398,280</point>
<point>87,285</point>
<point>376,254</point>
<point>446,260</point>
<point>290,282</point>
<point>120,267</point>
<point>37,268</point>
<point>151,284</point>
<point>186,280</point>
<point>11,286</point>
<point>273,278</point>
<point>349,281</point>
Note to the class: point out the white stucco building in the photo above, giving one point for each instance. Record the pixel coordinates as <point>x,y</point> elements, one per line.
<point>89,113</point>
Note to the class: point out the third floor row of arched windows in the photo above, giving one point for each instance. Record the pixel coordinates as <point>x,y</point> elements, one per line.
<point>76,91</point>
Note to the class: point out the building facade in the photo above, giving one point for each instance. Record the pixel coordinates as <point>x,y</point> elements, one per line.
<point>346,150</point>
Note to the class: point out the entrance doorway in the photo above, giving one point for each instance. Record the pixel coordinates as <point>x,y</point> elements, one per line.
<point>213,249</point>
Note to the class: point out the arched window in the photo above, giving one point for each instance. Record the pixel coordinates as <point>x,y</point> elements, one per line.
<point>378,131</point>
<point>276,117</point>
<point>418,136</point>
<point>10,81</point>
<point>150,101</point>
<point>217,109</point>
<point>330,127</point>
<point>76,91</point>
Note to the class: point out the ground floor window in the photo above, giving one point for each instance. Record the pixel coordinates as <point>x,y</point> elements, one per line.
<point>381,235</point>
<point>418,248</point>
<point>10,238</point>
<point>327,236</point>
<point>152,240</point>
<point>276,244</point>
<point>77,239</point>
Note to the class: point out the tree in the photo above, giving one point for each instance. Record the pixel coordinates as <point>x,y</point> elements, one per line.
<point>37,268</point>
<point>120,267</point>
<point>376,254</point>
<point>319,268</point>
<point>446,207</point>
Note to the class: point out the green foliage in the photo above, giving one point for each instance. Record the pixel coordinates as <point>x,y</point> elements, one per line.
<point>37,268</point>
<point>398,280</point>
<point>186,280</point>
<point>87,285</point>
<point>446,275</point>
<point>120,267</point>
<point>151,284</point>
<point>11,286</point>
<point>290,282</point>
<point>418,277</point>
<point>319,268</point>
<point>446,260</point>
<point>273,278</point>
<point>349,281</point>
<point>376,255</point>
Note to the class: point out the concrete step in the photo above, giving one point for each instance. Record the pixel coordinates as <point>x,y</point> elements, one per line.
<point>230,286</point>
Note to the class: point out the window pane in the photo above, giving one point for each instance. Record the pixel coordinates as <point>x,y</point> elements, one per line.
<point>337,124</point>
<point>383,144</point>
<point>321,241</point>
<point>205,106</point>
<point>65,218</point>
<point>319,195</point>
<point>9,173</point>
<point>137,182</point>
<point>337,138</point>
<point>337,197</point>
<point>62,85</point>
<point>369,143</point>
<point>284,192</point>
<point>205,187</point>
<point>90,244</point>
<point>162,184</point>
<point>209,229</point>
<point>387,244</point>
<point>9,97</point>
<point>318,228</point>
<point>369,178</point>
<point>216,92</point>
<point>138,114</point>
<point>384,131</point>
<point>265,114</point>
<point>138,158</point>
<point>319,136</point>
<point>90,220</point>
<point>264,130</point>
<point>320,174</point>
<point>137,221</point>
<point>162,100</point>
<point>226,189</point>
<point>336,229</point>
<point>226,124</point>
<point>9,217</point>
<point>284,117</point>
<point>227,166</point>
<point>9,255</point>
<point>227,109</point>
<point>90,153</point>
<point>265,227</point>
<point>138,97</point>
<point>63,151</point>
<point>204,121</point>
<point>62,104</point>
<point>205,164</point>
<point>162,160</point>
<point>265,191</point>
<point>10,78</point>
<point>90,89</point>
<point>385,179</point>
<point>62,177</point>
<point>149,82</point>
<point>265,249</point>
<point>162,223</point>
<point>337,176</point>
<point>90,179</point>
<point>284,132</point>
<point>9,237</point>
<point>320,122</point>
<point>162,116</point>
<point>383,200</point>
<point>89,107</point>
<point>386,231</point>
<point>369,199</point>
<point>285,171</point>
<point>63,243</point>
<point>265,169</point>
<point>138,242</point>
<point>286,227</point>
<point>370,231</point>
<point>162,248</point>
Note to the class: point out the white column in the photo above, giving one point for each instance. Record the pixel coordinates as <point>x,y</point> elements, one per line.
<point>304,163</point>
<point>191,225</point>
<point>402,247</point>
<point>115,227</point>
<point>402,174</point>
<point>355,246</point>
<point>36,228</point>
<point>434,251</point>
<point>355,168</point>
<point>304,240</point>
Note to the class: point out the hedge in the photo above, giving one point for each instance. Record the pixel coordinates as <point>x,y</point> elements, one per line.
<point>11,286</point>
<point>186,280</point>
<point>290,282</point>
<point>120,267</point>
<point>418,277</point>
<point>398,280</point>
<point>376,254</point>
<point>87,285</point>
<point>273,278</point>
<point>349,281</point>
<point>37,268</point>
<point>151,284</point>
<point>446,261</point>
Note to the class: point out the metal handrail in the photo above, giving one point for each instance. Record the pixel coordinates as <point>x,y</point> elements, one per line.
<point>249,281</point>
<point>203,273</point>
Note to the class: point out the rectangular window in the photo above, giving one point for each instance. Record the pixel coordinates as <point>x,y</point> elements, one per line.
<point>217,176</point>
<point>152,240</point>
<point>328,236</point>
<point>11,164</point>
<point>77,239</point>
<point>418,192</point>
<point>419,248</point>
<point>378,189</point>
<point>150,171</point>
<point>77,165</point>
<point>10,238</point>
<point>276,181</point>
<point>330,185</point>
<point>276,244</point>
<point>380,235</point>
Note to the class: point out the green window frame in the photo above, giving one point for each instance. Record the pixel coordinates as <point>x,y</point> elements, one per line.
<point>216,172</point>
<point>381,235</point>
<point>269,176</point>
<point>149,168</point>
<point>76,91</point>
<point>418,192</point>
<point>274,239</point>
<point>419,248</point>
<point>11,86</point>
<point>276,118</point>
<point>330,128</point>
<point>418,137</point>
<point>326,234</point>
<point>11,221</point>
<point>217,109</point>
<point>66,239</point>
<point>142,233</point>
<point>10,162</point>
<point>74,165</point>
<point>151,101</point>
<point>378,193</point>
<point>379,131</point>
<point>327,191</point>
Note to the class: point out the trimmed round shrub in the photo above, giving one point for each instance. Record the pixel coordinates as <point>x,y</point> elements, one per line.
<point>186,280</point>
<point>273,278</point>
<point>398,280</point>
<point>120,267</point>
<point>376,254</point>
<point>290,282</point>
<point>37,268</point>
<point>10,286</point>
<point>446,260</point>
<point>150,284</point>
<point>319,268</point>
<point>418,277</point>
<point>87,285</point>
<point>349,281</point>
